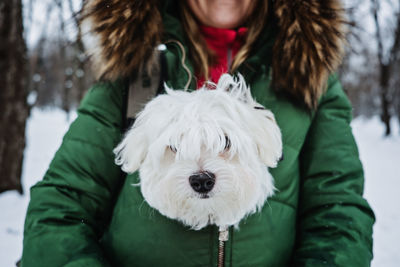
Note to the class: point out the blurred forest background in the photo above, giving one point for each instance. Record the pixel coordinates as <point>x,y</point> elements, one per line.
<point>43,64</point>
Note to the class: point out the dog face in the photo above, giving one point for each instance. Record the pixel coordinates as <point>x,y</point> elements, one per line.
<point>203,156</point>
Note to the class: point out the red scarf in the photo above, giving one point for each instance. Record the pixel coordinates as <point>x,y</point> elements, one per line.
<point>225,43</point>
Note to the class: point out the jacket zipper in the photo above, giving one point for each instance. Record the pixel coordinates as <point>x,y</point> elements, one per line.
<point>223,236</point>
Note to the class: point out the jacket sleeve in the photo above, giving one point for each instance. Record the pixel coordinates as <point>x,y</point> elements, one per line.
<point>334,221</point>
<point>71,206</point>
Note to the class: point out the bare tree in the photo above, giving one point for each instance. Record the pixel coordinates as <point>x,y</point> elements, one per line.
<point>384,70</point>
<point>60,73</point>
<point>66,71</point>
<point>81,66</point>
<point>37,61</point>
<point>14,109</point>
<point>386,65</point>
<point>395,56</point>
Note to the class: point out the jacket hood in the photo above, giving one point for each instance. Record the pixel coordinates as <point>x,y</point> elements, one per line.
<point>308,45</point>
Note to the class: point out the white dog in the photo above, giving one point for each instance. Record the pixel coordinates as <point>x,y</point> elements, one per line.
<point>203,156</point>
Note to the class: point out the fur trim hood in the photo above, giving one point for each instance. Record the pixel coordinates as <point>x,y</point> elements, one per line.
<point>307,48</point>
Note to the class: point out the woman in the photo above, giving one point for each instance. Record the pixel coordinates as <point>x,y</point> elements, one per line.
<point>85,213</point>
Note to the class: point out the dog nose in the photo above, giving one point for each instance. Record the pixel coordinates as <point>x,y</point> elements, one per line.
<point>202,182</point>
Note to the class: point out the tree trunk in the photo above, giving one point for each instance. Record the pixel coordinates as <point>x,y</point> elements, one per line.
<point>385,104</point>
<point>398,104</point>
<point>14,109</point>
<point>384,72</point>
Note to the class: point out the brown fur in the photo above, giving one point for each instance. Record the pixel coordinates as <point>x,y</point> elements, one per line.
<point>128,32</point>
<point>308,47</point>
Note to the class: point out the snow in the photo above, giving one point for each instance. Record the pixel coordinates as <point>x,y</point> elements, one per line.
<point>44,130</point>
<point>379,155</point>
<point>381,160</point>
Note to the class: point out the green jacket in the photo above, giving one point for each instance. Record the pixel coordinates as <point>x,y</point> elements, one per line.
<point>85,212</point>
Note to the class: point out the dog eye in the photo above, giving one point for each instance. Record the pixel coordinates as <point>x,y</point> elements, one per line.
<point>227,143</point>
<point>172,148</point>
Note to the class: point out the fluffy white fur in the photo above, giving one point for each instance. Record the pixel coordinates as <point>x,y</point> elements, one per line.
<point>181,133</point>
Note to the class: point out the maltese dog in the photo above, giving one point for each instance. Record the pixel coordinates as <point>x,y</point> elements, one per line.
<point>203,156</point>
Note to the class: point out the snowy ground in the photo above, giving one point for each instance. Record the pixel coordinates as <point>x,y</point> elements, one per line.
<point>380,157</point>
<point>44,135</point>
<point>381,160</point>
